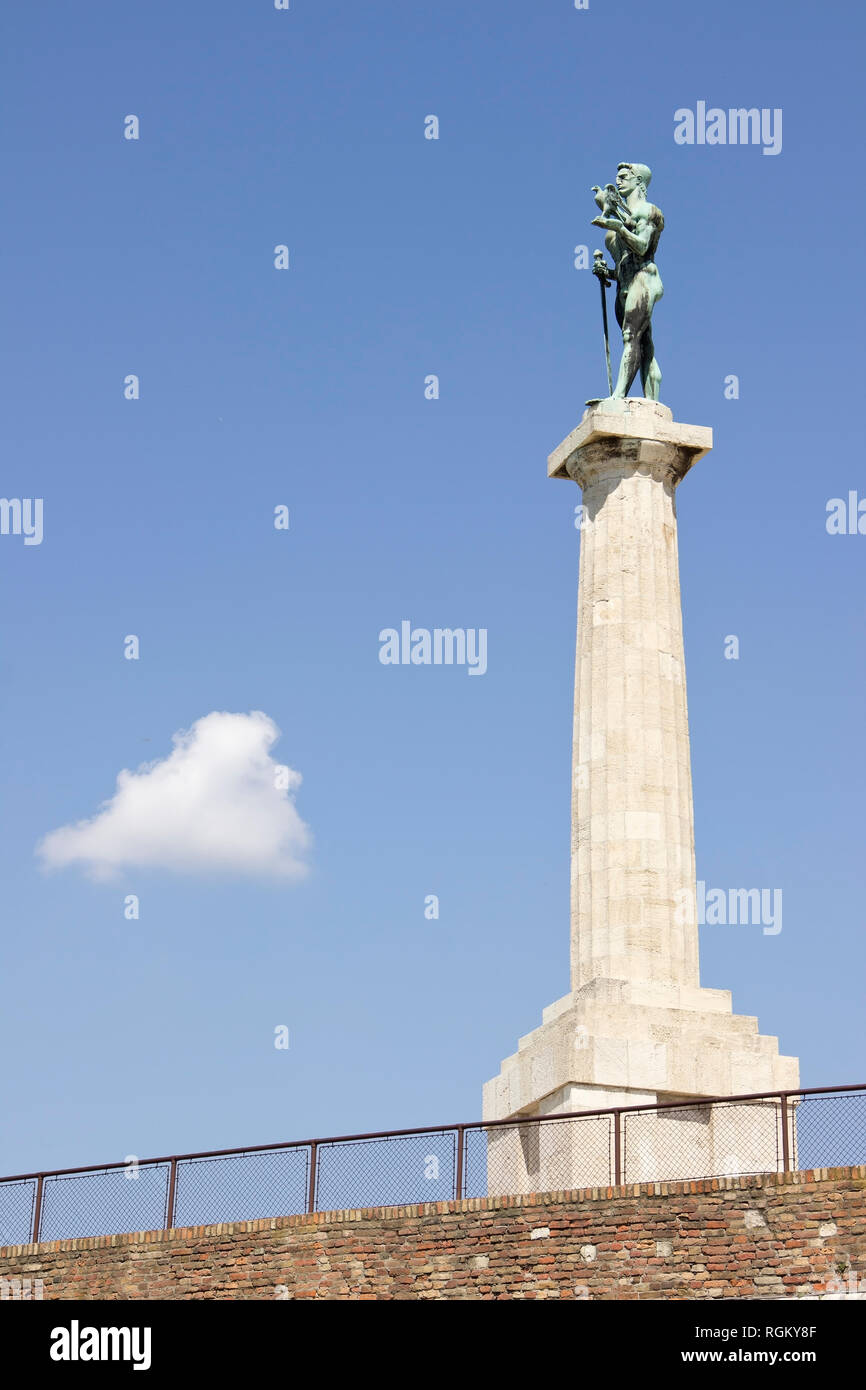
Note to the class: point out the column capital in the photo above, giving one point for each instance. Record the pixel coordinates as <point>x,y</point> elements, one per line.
<point>633,435</point>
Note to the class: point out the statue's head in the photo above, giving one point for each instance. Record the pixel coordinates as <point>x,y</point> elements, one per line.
<point>632,176</point>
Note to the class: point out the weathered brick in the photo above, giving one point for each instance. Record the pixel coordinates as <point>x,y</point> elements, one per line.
<point>430,1251</point>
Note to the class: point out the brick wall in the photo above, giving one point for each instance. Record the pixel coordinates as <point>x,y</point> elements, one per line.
<point>767,1237</point>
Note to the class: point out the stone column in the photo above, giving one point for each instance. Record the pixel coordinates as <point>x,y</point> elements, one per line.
<point>636,1028</point>
<point>632,832</point>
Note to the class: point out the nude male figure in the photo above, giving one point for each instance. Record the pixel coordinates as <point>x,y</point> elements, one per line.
<point>633,231</point>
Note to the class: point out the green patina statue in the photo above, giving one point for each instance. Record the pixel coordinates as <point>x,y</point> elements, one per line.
<point>634,226</point>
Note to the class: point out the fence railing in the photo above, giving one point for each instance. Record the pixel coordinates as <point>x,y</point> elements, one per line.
<point>722,1136</point>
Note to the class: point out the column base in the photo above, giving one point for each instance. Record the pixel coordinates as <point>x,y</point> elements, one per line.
<point>616,1043</point>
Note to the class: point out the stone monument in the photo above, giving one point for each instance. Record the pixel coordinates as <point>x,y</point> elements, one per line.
<point>636,1028</point>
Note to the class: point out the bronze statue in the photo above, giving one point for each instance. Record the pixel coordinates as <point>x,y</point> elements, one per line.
<point>634,226</point>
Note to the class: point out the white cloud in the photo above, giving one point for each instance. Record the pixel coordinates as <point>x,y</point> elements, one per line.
<point>217,804</point>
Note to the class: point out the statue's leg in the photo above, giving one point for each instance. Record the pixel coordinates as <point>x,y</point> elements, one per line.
<point>650,371</point>
<point>634,324</point>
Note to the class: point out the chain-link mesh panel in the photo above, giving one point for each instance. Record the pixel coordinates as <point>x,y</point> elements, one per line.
<point>104,1202</point>
<point>387,1172</point>
<point>17,1200</point>
<point>702,1141</point>
<point>830,1131</point>
<point>241,1187</point>
<point>552,1156</point>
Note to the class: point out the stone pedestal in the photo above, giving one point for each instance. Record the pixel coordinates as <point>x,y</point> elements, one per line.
<point>636,1027</point>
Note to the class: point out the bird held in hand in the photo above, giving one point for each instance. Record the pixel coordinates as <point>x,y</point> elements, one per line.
<point>611,203</point>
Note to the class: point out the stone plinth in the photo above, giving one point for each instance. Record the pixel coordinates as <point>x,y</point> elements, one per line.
<point>636,1027</point>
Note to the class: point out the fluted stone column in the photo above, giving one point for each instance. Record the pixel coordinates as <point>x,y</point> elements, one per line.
<point>632,846</point>
<point>637,1027</point>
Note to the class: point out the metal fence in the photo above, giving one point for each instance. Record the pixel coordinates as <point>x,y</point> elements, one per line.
<point>729,1136</point>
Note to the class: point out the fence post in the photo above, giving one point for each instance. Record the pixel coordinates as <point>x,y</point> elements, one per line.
<point>172,1194</point>
<point>37,1208</point>
<point>458,1173</point>
<point>617,1148</point>
<point>786,1147</point>
<point>314,1159</point>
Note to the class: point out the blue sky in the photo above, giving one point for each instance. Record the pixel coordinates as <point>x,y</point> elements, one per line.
<point>306,388</point>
